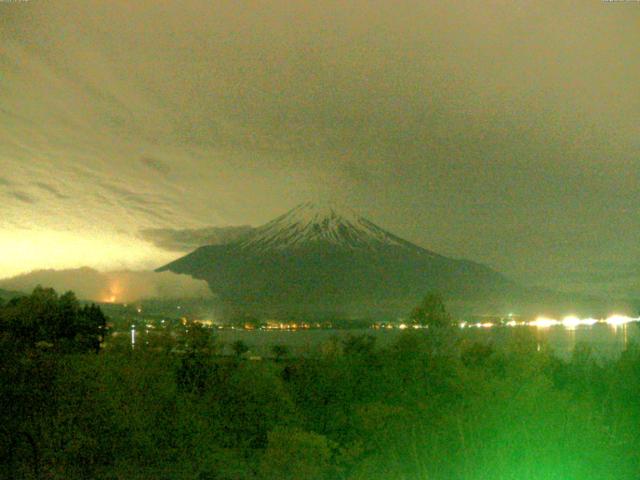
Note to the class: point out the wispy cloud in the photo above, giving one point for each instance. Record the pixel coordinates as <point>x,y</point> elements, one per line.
<point>186,240</point>
<point>22,197</point>
<point>52,190</point>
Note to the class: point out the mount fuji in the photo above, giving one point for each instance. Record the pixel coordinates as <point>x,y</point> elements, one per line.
<point>323,260</point>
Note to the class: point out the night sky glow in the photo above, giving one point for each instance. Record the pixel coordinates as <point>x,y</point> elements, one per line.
<point>504,132</point>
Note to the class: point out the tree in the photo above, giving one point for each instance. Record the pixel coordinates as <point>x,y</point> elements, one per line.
<point>45,319</point>
<point>239,348</point>
<point>199,339</point>
<point>90,328</point>
<point>358,345</point>
<point>431,312</point>
<point>248,401</point>
<point>194,371</point>
<point>26,386</point>
<point>279,352</point>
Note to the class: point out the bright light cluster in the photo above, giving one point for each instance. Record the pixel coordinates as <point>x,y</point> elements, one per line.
<point>573,321</point>
<point>616,320</point>
<point>544,322</point>
<point>588,321</point>
<point>570,322</point>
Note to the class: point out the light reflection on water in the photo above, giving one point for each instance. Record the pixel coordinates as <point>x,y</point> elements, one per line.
<point>606,341</point>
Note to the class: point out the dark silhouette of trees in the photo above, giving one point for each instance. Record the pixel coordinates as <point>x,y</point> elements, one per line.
<point>416,408</point>
<point>26,385</point>
<point>90,328</point>
<point>358,345</point>
<point>196,362</point>
<point>279,352</point>
<point>431,312</point>
<point>239,348</point>
<point>35,333</point>
<point>47,320</point>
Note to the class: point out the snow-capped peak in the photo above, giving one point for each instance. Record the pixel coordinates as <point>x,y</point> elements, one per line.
<point>315,223</point>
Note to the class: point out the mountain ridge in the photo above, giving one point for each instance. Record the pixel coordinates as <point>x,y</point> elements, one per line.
<point>324,259</point>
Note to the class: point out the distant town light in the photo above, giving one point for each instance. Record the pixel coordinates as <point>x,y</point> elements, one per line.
<point>544,322</point>
<point>482,325</point>
<point>571,321</point>
<point>616,320</point>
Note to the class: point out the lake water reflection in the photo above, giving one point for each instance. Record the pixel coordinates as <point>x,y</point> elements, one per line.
<point>606,341</point>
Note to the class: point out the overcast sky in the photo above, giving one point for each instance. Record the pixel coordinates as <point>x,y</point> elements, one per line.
<point>504,132</point>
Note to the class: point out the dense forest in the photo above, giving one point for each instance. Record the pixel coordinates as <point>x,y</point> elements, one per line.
<point>431,406</point>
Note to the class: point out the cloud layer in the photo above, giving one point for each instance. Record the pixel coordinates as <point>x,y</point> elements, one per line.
<point>505,132</point>
<point>186,240</point>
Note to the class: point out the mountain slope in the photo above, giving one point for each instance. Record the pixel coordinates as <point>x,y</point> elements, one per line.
<point>310,223</point>
<point>325,260</point>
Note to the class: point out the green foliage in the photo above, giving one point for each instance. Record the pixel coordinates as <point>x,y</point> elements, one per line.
<point>419,409</point>
<point>431,312</point>
<point>47,320</point>
<point>26,384</point>
<point>199,339</point>
<point>293,454</point>
<point>279,352</point>
<point>239,348</point>
<point>251,401</point>
<point>196,363</point>
<point>358,345</point>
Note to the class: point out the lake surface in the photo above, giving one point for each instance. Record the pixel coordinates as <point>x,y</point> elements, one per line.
<point>605,340</point>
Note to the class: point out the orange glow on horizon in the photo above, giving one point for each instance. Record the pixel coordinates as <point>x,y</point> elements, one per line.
<point>115,292</point>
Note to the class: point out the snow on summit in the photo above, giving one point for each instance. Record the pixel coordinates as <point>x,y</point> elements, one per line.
<point>314,223</point>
